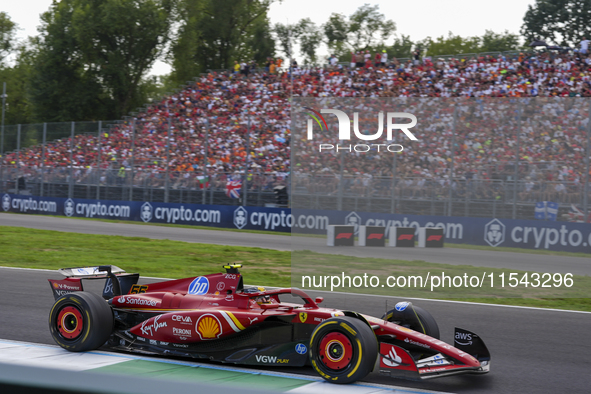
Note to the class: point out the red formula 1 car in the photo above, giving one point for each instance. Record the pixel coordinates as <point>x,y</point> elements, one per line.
<point>215,317</point>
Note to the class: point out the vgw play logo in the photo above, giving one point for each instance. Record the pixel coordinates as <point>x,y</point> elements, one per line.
<point>345,130</point>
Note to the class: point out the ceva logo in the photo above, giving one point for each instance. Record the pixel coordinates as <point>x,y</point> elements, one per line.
<point>494,232</point>
<point>146,212</point>
<point>240,217</point>
<point>345,130</point>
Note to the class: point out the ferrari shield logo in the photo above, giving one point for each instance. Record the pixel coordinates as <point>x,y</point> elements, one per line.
<point>303,317</point>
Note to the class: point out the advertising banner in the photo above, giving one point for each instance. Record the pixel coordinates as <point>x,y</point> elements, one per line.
<point>249,218</point>
<point>529,234</point>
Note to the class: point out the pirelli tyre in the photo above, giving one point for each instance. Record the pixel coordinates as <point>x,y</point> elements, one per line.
<point>343,349</point>
<point>80,321</point>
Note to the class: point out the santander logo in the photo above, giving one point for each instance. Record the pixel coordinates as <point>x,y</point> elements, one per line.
<point>393,360</point>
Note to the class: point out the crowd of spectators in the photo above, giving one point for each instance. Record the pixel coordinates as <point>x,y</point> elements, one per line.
<point>239,122</point>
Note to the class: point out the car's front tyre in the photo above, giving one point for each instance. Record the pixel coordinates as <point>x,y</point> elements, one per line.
<point>343,349</point>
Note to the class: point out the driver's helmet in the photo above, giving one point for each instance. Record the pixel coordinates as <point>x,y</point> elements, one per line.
<point>264,299</point>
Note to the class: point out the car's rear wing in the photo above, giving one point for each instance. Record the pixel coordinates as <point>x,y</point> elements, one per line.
<point>117,280</point>
<point>101,271</point>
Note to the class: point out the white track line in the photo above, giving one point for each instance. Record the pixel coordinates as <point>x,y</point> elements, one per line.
<point>54,357</point>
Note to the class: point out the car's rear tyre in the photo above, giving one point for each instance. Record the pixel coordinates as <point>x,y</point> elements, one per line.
<point>343,349</point>
<point>80,321</point>
<point>420,320</point>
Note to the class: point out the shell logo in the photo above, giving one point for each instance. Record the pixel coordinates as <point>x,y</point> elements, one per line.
<point>55,285</point>
<point>208,327</point>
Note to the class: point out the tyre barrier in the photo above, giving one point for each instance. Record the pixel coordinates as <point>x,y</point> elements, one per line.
<point>372,236</point>
<point>340,235</point>
<point>402,237</point>
<point>428,237</point>
<point>431,237</point>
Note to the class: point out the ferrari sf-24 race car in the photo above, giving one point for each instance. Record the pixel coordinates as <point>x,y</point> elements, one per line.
<point>216,317</point>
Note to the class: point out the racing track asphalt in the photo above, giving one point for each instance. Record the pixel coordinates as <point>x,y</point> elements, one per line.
<point>519,261</point>
<point>533,350</point>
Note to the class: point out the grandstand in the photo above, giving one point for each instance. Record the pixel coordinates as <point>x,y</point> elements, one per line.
<point>228,126</point>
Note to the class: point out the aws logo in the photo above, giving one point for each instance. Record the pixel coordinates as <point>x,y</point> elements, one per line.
<point>345,130</point>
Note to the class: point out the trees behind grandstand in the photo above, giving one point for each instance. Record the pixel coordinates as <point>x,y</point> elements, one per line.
<point>91,57</point>
<point>7,33</point>
<point>368,30</point>
<point>306,33</point>
<point>453,44</point>
<point>561,22</point>
<point>15,72</point>
<point>215,33</point>
<point>365,29</point>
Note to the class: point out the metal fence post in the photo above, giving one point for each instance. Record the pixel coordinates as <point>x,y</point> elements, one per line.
<point>2,130</point>
<point>71,183</point>
<point>167,175</point>
<point>205,161</point>
<point>341,182</point>
<point>393,196</point>
<point>210,195</point>
<point>2,138</point>
<point>98,163</point>
<point>43,157</point>
<point>516,173</point>
<point>494,207</point>
<point>451,164</point>
<point>587,153</point>
<point>18,149</point>
<point>132,159</point>
<point>245,180</point>
<point>466,191</point>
